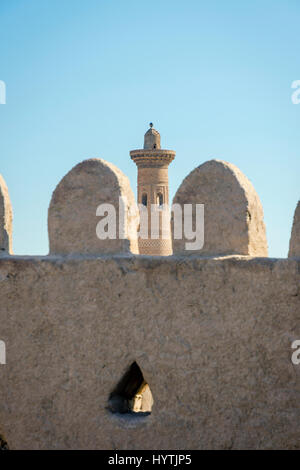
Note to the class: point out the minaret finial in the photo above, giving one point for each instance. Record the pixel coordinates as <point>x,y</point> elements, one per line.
<point>151,124</point>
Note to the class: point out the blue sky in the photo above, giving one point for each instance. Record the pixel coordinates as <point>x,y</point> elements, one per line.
<point>84,79</point>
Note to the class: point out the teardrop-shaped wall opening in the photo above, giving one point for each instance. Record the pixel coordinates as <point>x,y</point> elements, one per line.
<point>132,394</point>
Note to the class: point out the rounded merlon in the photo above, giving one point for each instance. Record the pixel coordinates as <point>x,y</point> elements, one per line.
<point>72,218</point>
<point>233,214</point>
<point>5,219</point>
<point>294,251</point>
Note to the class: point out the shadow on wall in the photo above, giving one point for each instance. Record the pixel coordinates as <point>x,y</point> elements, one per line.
<point>132,395</point>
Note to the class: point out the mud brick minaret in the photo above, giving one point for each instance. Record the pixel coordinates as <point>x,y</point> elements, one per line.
<point>153,190</point>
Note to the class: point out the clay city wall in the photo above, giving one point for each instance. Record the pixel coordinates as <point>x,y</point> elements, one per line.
<point>210,330</point>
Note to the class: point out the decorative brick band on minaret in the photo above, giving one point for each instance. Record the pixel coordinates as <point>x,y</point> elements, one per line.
<point>153,189</point>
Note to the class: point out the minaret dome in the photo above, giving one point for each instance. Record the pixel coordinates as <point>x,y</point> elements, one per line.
<point>152,138</point>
